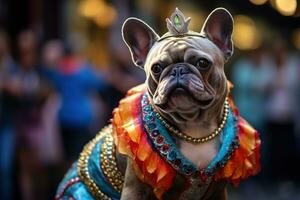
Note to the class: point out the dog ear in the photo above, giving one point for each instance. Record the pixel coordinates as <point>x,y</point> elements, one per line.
<point>139,37</point>
<point>218,28</point>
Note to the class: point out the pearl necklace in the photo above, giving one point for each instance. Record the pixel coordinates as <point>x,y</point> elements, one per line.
<point>191,139</point>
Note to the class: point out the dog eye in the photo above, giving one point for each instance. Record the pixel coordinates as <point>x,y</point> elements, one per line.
<point>203,63</point>
<point>156,69</point>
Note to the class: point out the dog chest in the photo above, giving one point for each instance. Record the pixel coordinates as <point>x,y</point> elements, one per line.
<point>200,154</point>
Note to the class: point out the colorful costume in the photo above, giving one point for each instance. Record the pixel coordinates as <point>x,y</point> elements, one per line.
<point>138,133</point>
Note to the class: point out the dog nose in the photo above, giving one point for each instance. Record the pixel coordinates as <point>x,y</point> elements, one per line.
<point>179,70</point>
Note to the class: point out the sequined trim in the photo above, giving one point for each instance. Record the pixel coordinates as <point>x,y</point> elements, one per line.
<point>165,146</point>
<point>82,166</point>
<point>109,164</point>
<point>157,133</point>
<point>230,143</point>
<point>68,184</point>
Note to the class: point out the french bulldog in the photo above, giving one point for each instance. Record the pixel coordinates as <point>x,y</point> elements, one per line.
<point>187,88</point>
<point>187,85</point>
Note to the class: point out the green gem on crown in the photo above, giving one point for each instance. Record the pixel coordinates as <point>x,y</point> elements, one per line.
<point>177,20</point>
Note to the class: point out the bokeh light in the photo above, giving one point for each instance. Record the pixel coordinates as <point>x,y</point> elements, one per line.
<point>106,17</point>
<point>258,2</point>
<point>99,11</point>
<point>90,8</point>
<point>286,7</point>
<point>245,35</point>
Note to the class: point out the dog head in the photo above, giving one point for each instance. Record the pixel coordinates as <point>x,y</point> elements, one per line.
<point>185,70</point>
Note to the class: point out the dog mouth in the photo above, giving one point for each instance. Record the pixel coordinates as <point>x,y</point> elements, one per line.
<point>181,96</point>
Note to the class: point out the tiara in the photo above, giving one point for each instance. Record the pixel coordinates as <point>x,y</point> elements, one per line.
<point>177,26</point>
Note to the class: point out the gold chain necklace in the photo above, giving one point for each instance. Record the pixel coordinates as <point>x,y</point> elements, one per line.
<point>191,139</point>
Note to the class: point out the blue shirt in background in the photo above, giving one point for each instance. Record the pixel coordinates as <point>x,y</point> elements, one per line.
<point>75,89</point>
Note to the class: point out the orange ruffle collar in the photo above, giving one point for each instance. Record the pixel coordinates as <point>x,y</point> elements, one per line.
<point>131,140</point>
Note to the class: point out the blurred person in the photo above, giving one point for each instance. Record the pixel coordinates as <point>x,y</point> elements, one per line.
<point>51,153</point>
<point>7,113</point>
<point>248,76</point>
<point>121,68</point>
<point>75,81</point>
<point>280,109</point>
<point>120,74</point>
<point>32,93</point>
<point>52,53</point>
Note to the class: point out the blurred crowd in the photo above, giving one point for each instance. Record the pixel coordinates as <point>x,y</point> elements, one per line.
<point>53,101</point>
<point>267,93</point>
